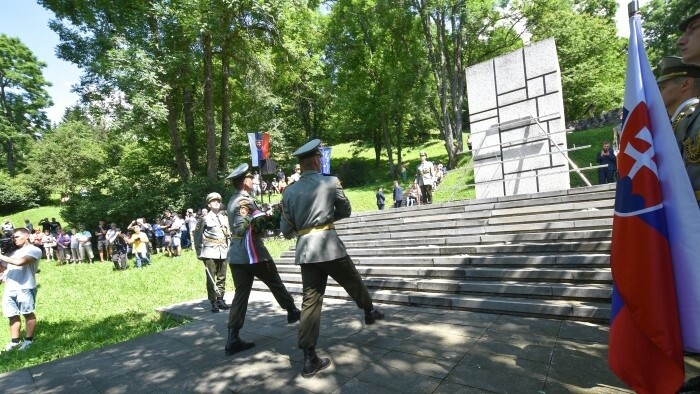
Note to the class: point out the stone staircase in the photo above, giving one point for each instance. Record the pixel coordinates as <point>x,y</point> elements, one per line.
<point>544,254</point>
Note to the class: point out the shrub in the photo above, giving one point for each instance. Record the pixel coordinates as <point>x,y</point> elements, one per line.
<point>17,194</point>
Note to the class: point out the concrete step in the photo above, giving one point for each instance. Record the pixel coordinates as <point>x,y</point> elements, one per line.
<point>580,310</point>
<point>572,291</point>
<point>495,239</point>
<point>550,249</point>
<point>548,274</point>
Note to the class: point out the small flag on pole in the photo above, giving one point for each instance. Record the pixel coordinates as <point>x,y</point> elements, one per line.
<point>655,249</point>
<point>325,160</point>
<point>259,148</point>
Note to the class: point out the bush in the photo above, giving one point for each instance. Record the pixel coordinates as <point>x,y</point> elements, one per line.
<point>17,194</point>
<point>356,172</point>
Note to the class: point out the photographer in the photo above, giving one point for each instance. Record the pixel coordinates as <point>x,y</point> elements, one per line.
<point>19,297</point>
<point>139,242</point>
<point>606,156</point>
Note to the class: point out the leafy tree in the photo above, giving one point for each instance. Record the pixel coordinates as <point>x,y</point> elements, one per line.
<point>23,97</point>
<point>591,55</point>
<point>661,20</point>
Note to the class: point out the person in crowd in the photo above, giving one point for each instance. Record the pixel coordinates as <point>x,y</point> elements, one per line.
<point>190,224</point>
<point>404,172</point>
<point>211,240</point>
<point>74,246</point>
<point>110,236</point>
<point>29,226</point>
<point>119,249</point>
<point>412,196</point>
<point>425,174</point>
<point>7,227</point>
<point>48,242</point>
<point>280,175</point>
<point>249,259</point>
<point>256,185</point>
<point>606,156</point>
<point>397,195</point>
<point>167,239</point>
<point>175,230</point>
<point>282,185</point>
<point>158,235</point>
<point>54,225</point>
<point>275,186</point>
<point>63,246</point>
<point>380,198</point>
<point>101,235</point>
<point>139,245</point>
<point>36,239</point>
<point>45,224</point>
<point>295,176</point>
<point>319,251</point>
<point>19,295</point>
<point>689,41</point>
<point>85,244</point>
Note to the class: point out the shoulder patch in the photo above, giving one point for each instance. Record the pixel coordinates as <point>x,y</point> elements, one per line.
<point>243,210</point>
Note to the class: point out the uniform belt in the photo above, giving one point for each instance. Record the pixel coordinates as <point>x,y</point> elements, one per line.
<point>213,241</point>
<point>316,229</point>
<point>697,195</point>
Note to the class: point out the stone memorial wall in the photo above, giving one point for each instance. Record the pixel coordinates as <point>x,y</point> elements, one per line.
<point>508,95</point>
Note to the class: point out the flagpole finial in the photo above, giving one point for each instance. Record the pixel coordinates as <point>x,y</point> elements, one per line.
<point>633,8</point>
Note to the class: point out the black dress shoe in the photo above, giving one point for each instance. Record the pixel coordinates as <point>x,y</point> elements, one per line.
<point>373,315</point>
<point>222,304</point>
<point>313,363</point>
<point>235,344</point>
<point>215,307</point>
<point>293,315</point>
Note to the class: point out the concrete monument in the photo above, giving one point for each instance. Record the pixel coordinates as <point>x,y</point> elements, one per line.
<point>516,113</point>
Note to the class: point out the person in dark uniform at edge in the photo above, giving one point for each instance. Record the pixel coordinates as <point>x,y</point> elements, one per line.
<point>606,156</point>
<point>310,206</point>
<point>249,259</point>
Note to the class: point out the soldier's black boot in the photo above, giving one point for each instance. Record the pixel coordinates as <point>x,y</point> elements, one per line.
<point>313,363</point>
<point>234,344</point>
<point>372,315</point>
<point>222,304</point>
<point>214,307</point>
<point>293,315</point>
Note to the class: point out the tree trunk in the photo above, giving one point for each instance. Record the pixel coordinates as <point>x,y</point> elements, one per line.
<point>225,111</point>
<point>190,133</point>
<point>387,142</point>
<point>10,151</point>
<point>182,170</point>
<point>209,107</point>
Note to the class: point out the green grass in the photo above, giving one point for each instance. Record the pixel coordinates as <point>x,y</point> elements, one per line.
<point>586,157</point>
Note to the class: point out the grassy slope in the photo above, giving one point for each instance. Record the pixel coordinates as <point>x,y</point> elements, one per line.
<point>586,157</point>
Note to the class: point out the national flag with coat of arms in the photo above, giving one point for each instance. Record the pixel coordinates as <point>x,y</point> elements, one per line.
<point>655,257</point>
<point>259,148</point>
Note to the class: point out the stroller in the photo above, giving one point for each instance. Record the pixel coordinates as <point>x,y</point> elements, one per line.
<point>119,253</point>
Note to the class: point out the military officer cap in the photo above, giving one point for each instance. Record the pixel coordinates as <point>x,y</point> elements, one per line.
<point>308,149</point>
<point>673,67</point>
<point>213,196</point>
<point>240,171</point>
<point>686,22</point>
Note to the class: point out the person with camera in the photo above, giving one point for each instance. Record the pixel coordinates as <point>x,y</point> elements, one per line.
<point>139,243</point>
<point>606,156</point>
<point>249,259</point>
<point>211,239</point>
<point>19,296</point>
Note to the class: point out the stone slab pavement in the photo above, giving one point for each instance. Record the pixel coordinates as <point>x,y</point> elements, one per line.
<point>415,350</point>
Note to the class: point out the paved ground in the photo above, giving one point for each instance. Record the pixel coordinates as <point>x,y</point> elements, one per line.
<point>414,350</point>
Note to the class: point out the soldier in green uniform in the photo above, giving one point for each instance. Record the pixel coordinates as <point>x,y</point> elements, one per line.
<point>211,239</point>
<point>310,206</point>
<point>689,42</point>
<point>249,259</point>
<point>679,84</point>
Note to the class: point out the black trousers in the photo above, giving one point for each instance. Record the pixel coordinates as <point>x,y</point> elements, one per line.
<point>215,271</point>
<point>243,276</point>
<point>426,196</point>
<point>314,277</point>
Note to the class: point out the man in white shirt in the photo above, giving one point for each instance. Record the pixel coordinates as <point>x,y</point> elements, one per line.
<point>19,297</point>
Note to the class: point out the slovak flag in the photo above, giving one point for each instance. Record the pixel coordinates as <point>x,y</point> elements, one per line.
<point>259,147</point>
<point>655,257</point>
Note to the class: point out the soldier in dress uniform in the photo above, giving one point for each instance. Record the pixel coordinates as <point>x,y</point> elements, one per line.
<point>426,174</point>
<point>679,84</point>
<point>249,259</point>
<point>310,206</point>
<point>211,239</point>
